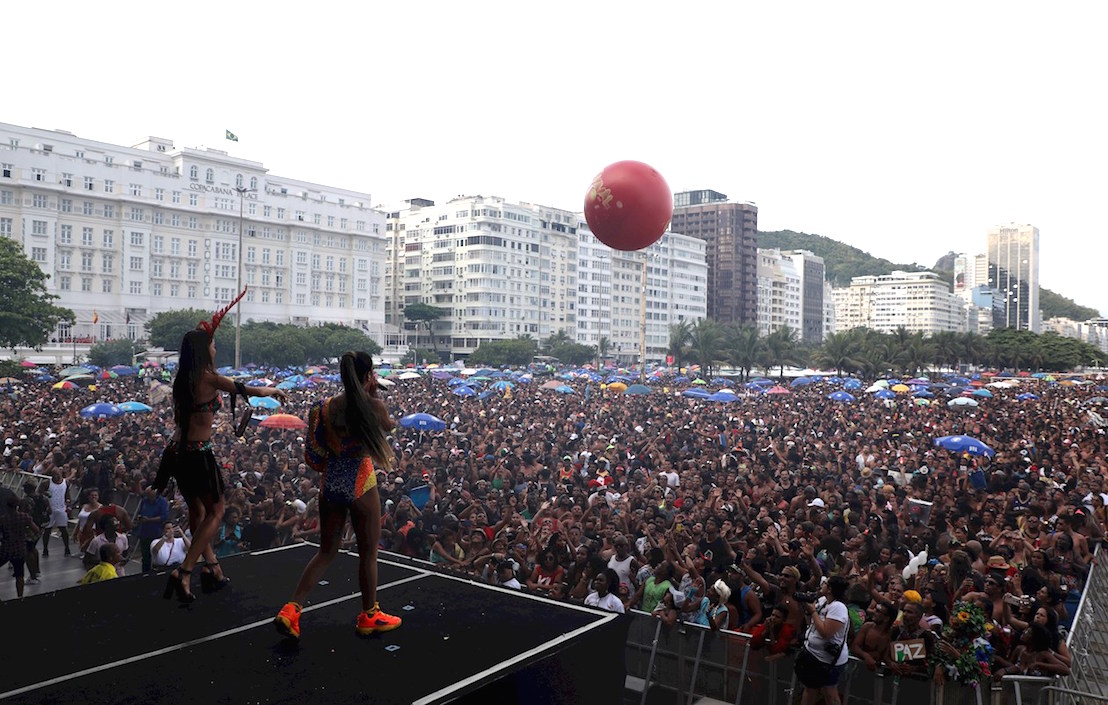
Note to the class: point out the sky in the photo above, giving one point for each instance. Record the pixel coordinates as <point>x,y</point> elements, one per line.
<point>904,129</point>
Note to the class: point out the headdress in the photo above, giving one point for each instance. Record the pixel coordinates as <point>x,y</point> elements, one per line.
<point>217,317</point>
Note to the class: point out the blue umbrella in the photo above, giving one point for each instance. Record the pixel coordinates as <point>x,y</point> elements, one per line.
<point>564,389</point>
<point>841,396</point>
<point>637,389</point>
<point>463,391</point>
<point>135,407</point>
<point>923,394</point>
<point>964,444</point>
<point>1027,396</point>
<point>696,394</point>
<point>456,382</point>
<point>264,403</point>
<point>801,381</point>
<point>885,394</point>
<point>720,396</point>
<point>101,411</point>
<point>852,384</point>
<point>124,370</point>
<point>423,422</point>
<point>982,393</point>
<point>501,385</point>
<point>485,394</point>
<point>286,385</point>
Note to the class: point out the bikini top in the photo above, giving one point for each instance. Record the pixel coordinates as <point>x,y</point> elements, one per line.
<point>211,406</point>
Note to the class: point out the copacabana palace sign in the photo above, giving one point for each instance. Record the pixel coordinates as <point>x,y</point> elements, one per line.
<point>222,190</point>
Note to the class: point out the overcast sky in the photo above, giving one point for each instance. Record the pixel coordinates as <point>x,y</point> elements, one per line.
<point>906,130</point>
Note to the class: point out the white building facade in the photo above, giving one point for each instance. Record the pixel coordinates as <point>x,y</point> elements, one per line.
<point>780,293</point>
<point>128,232</point>
<point>916,301</point>
<point>504,269</point>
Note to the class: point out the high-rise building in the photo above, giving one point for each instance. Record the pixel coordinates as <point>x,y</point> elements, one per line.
<point>505,269</point>
<point>731,233</point>
<point>916,301</point>
<point>128,232</point>
<point>970,271</point>
<point>780,293</point>
<point>1013,271</point>
<point>812,272</point>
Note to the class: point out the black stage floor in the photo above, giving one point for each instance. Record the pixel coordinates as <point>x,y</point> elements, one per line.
<point>120,642</point>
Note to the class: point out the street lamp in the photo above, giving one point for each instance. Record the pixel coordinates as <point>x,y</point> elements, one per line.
<point>238,280</point>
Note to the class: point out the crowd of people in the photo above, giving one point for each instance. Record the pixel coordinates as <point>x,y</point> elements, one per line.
<point>732,515</point>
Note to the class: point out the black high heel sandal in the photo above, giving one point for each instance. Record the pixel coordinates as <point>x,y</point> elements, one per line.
<point>208,581</point>
<point>176,584</point>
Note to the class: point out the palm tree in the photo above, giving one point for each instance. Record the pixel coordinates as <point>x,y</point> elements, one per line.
<point>780,348</point>
<point>556,339</point>
<point>915,353</point>
<point>706,345</point>
<point>744,347</point>
<point>602,348</point>
<point>839,351</point>
<point>680,334</point>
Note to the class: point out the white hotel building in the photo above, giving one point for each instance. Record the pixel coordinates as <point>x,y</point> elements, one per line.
<point>917,301</point>
<point>505,270</point>
<point>127,232</point>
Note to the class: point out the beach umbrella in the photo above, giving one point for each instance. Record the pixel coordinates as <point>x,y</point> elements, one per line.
<point>10,380</point>
<point>70,371</point>
<point>27,363</point>
<point>696,394</point>
<point>636,389</point>
<point>723,396</point>
<point>423,422</point>
<point>917,380</point>
<point>922,394</point>
<point>108,374</point>
<point>964,444</point>
<point>455,382</point>
<point>851,384</point>
<point>81,380</point>
<point>885,394</point>
<point>135,407</point>
<point>961,401</point>
<point>1027,396</point>
<point>286,385</point>
<point>985,393</point>
<point>700,381</point>
<point>64,384</point>
<point>552,384</point>
<point>564,389</point>
<point>1092,400</point>
<point>617,387</point>
<point>286,422</point>
<point>124,370</point>
<point>101,411</point>
<point>801,382</point>
<point>464,391</point>
<point>900,388</point>
<point>923,402</point>
<point>264,403</point>
<point>841,396</point>
<point>385,382</point>
<point>777,390</point>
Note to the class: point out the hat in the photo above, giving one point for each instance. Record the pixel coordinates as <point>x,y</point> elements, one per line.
<point>998,563</point>
<point>722,590</point>
<point>399,481</point>
<point>8,441</point>
<point>89,457</point>
<point>817,502</point>
<point>913,596</point>
<point>867,471</point>
<point>791,570</point>
<point>299,506</point>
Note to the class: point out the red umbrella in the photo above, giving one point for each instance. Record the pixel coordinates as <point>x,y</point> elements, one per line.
<point>27,363</point>
<point>283,421</point>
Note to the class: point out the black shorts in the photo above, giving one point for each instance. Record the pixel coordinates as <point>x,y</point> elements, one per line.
<point>813,673</point>
<point>18,565</point>
<point>196,471</point>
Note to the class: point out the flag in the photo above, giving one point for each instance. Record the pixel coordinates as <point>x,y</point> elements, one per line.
<point>232,136</point>
<point>95,317</point>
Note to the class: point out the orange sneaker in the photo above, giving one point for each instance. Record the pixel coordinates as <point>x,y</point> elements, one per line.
<point>287,620</point>
<point>376,621</point>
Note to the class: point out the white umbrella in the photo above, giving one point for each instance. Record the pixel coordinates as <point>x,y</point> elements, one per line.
<point>961,401</point>
<point>385,382</point>
<point>409,375</point>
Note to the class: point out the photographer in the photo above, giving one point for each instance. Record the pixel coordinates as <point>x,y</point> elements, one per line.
<point>170,548</point>
<point>824,654</point>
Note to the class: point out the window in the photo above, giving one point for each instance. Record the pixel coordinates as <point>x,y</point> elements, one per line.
<point>136,264</point>
<point>6,171</point>
<point>254,183</point>
<point>174,270</point>
<point>67,180</point>
<point>265,255</point>
<point>175,246</point>
<point>301,299</point>
<point>159,194</point>
<point>88,183</point>
<point>175,220</point>
<point>192,291</point>
<point>106,286</point>
<point>193,199</point>
<point>108,159</point>
<point>109,210</point>
<point>136,190</point>
<point>86,208</point>
<point>109,186</point>
<point>136,287</point>
<point>239,181</point>
<point>64,260</point>
<point>65,235</point>
<point>138,214</point>
<point>38,254</point>
<point>280,258</point>
<point>136,165</point>
<point>192,248</point>
<point>191,267</point>
<point>209,177</point>
<point>38,227</point>
<point>330,221</point>
<point>194,224</point>
<point>156,268</point>
<point>176,197</point>
<point>39,200</point>
<point>65,282</point>
<point>66,205</point>
<point>86,237</point>
<point>280,214</point>
<point>194,173</point>
<point>175,290</point>
<point>156,288</point>
<point>39,174</point>
<point>109,238</point>
<point>159,218</point>
<point>301,278</point>
<point>266,211</point>
<point>6,198</point>
<point>86,266</point>
<point>278,297</point>
<point>107,264</point>
<point>137,239</point>
<point>86,283</point>
<point>157,244</point>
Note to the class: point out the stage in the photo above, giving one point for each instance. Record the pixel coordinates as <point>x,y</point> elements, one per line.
<point>120,642</point>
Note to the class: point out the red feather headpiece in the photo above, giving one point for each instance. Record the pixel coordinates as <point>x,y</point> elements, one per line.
<point>209,328</point>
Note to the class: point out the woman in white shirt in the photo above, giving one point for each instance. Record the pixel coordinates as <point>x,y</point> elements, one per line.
<point>170,549</point>
<point>600,596</point>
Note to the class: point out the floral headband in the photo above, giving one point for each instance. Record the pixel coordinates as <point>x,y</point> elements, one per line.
<point>217,318</point>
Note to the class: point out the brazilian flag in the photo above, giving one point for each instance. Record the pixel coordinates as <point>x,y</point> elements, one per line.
<point>232,136</point>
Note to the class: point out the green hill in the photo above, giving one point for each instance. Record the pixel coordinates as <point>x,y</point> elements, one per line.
<point>843,262</point>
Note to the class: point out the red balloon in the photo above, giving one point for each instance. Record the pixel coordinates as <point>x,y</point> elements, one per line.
<point>628,205</point>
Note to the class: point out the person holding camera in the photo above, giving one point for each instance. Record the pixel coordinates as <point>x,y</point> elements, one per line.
<point>170,548</point>
<point>820,661</point>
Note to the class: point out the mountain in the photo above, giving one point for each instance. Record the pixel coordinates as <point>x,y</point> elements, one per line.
<point>843,262</point>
